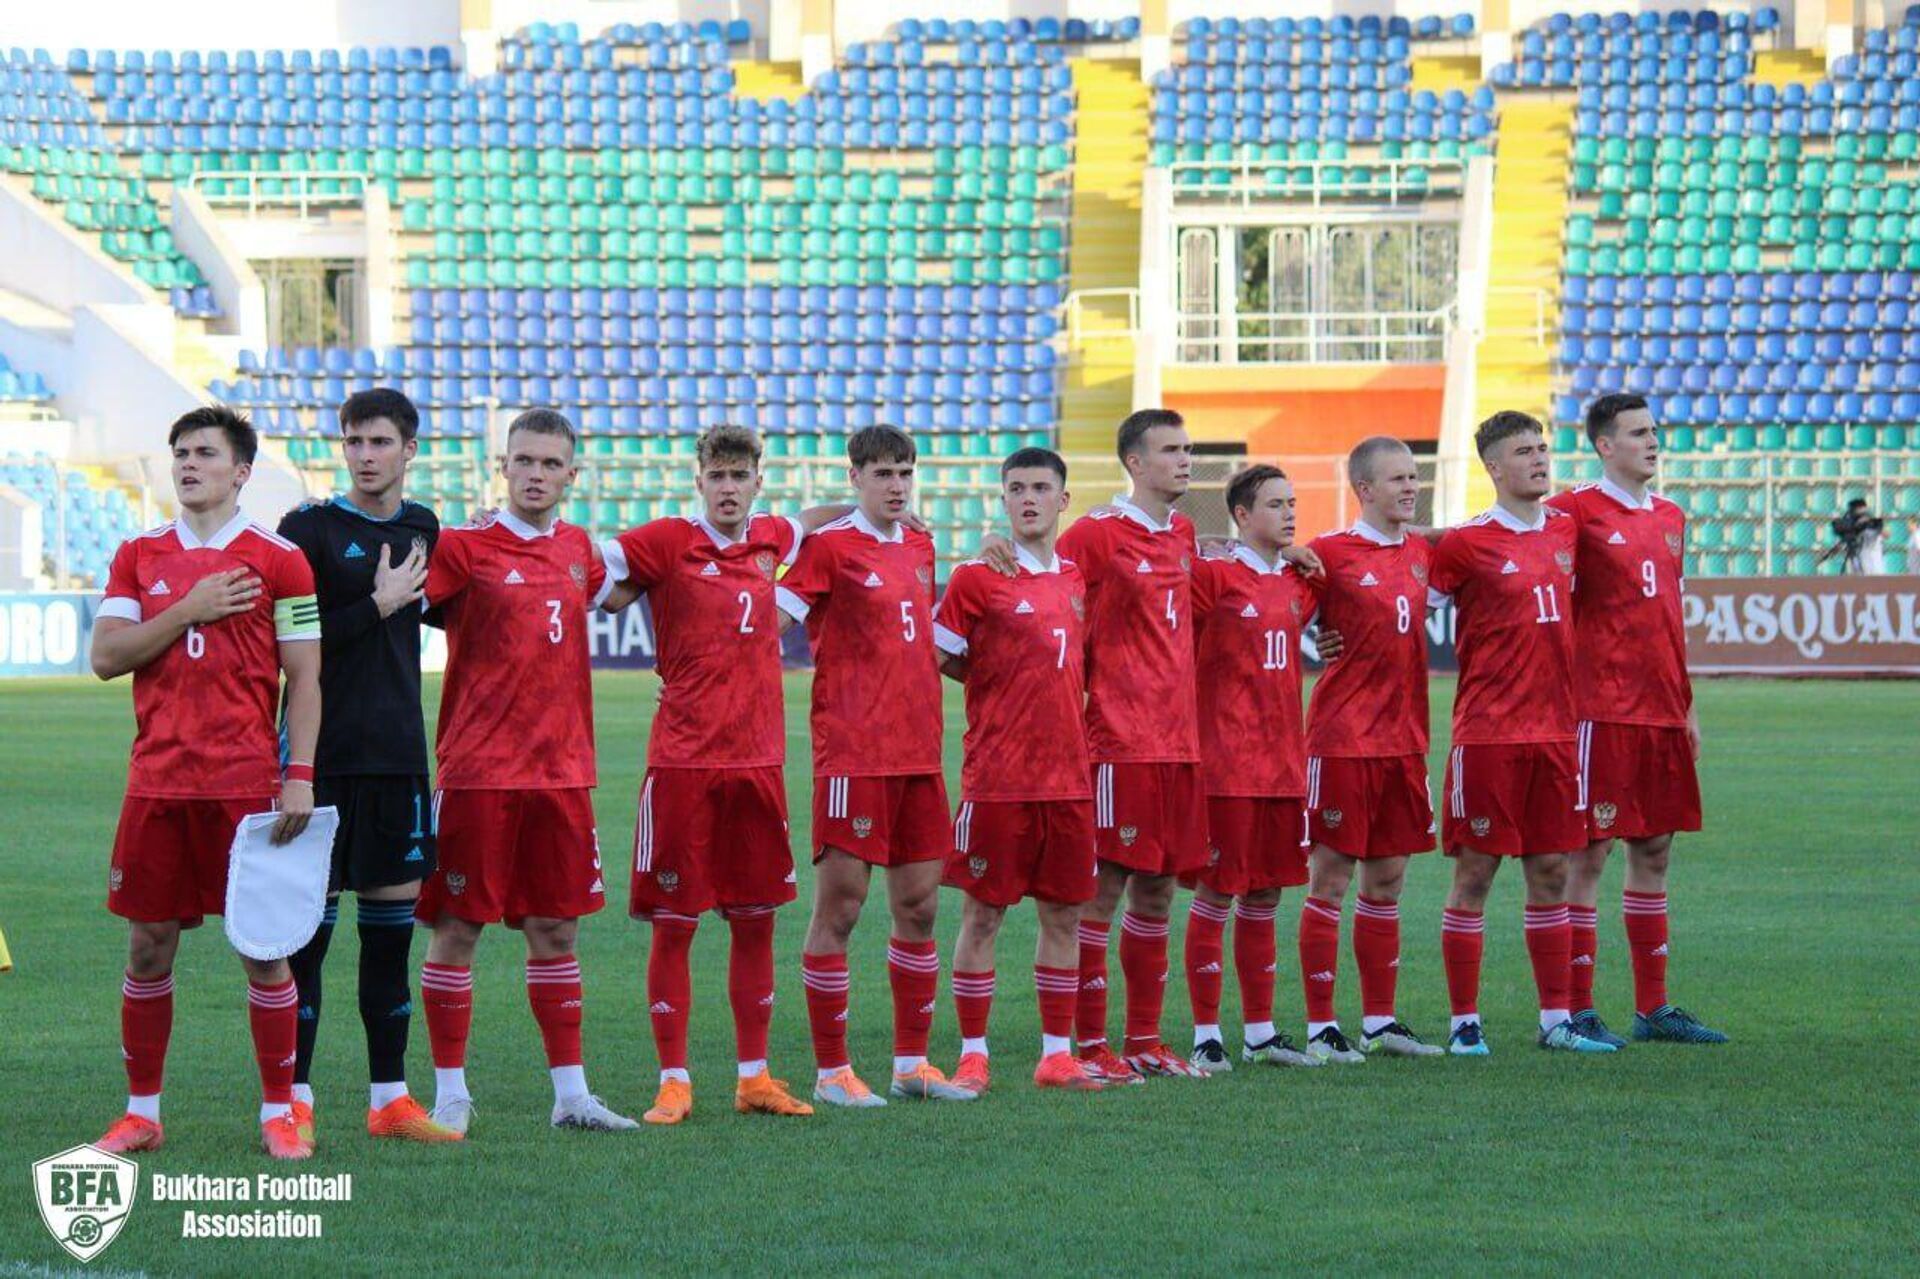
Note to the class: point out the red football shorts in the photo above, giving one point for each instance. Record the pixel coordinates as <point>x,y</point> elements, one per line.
<point>710,839</point>
<point>1380,806</point>
<point>1004,850</point>
<point>1253,844</point>
<point>1637,780</point>
<point>170,857</point>
<point>1150,818</point>
<point>508,854</point>
<point>1514,799</point>
<point>884,821</point>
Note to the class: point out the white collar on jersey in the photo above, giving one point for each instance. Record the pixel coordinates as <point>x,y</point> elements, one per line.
<point>1125,505</point>
<point>1251,558</point>
<point>219,541</point>
<point>720,539</point>
<point>1363,529</point>
<point>1508,520</point>
<point>1626,499</point>
<point>521,529</point>
<point>1032,563</point>
<point>858,518</point>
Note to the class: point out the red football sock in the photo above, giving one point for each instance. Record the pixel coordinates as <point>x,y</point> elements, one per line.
<point>1143,959</point>
<point>1550,947</point>
<point>1256,956</point>
<point>750,981</point>
<point>553,991</point>
<point>273,1012</point>
<point>1319,956</point>
<point>447,991</point>
<point>1463,938</point>
<point>913,970</point>
<point>825,979</point>
<point>973,1002</point>
<point>1647,944</point>
<point>1376,953</point>
<point>1058,988</point>
<point>1205,955</point>
<point>146,1023</point>
<point>670,986</point>
<point>1586,946</point>
<point>1090,1006</point>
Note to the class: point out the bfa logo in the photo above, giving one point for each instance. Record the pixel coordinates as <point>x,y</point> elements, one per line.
<point>85,1195</point>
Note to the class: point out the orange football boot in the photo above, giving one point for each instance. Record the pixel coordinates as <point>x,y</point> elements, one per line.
<point>283,1139</point>
<point>303,1118</point>
<point>672,1103</point>
<point>130,1133</point>
<point>404,1117</point>
<point>973,1073</point>
<point>764,1094</point>
<point>1061,1070</point>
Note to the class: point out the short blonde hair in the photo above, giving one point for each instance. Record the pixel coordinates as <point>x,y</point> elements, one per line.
<point>727,440</point>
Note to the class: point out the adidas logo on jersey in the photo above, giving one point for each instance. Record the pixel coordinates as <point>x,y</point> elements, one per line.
<point>1616,539</point>
<point>1369,580</point>
<point>710,569</point>
<point>353,552</point>
<point>415,855</point>
<point>1509,567</point>
<point>514,579</point>
<point>1144,567</point>
<point>159,588</point>
<point>1249,611</point>
<point>1022,608</point>
<point>873,579</point>
<point>1094,983</point>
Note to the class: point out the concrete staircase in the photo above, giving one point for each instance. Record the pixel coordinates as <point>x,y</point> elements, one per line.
<point>1789,66</point>
<point>765,80</point>
<point>1514,368</point>
<point>1110,160</point>
<point>1440,72</point>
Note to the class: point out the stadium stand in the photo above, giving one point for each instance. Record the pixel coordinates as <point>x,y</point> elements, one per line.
<point>48,135</point>
<point>606,224</point>
<point>93,516</point>
<point>1742,253</point>
<point>647,227</point>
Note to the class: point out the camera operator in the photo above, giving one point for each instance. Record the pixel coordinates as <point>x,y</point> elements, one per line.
<point>1859,538</point>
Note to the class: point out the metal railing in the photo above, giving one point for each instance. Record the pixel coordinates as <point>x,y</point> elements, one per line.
<point>62,548</point>
<point>1315,337</point>
<point>1248,178</point>
<point>1540,298</point>
<point>299,188</point>
<point>1077,328</point>
<point>1770,513</point>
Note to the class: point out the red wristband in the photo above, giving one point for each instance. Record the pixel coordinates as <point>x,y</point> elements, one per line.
<point>300,773</point>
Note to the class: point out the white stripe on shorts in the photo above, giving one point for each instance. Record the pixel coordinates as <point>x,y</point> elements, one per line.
<point>1586,764</point>
<point>643,830</point>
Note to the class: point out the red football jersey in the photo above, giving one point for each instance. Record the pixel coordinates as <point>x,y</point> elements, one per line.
<point>1512,585</point>
<point>867,601</point>
<point>1629,644</point>
<point>1024,639</point>
<point>1371,701</point>
<point>1140,690</point>
<point>516,708</point>
<point>716,636</point>
<point>1248,618</point>
<point>204,709</point>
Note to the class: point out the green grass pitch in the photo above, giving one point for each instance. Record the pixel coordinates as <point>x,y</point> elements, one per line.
<point>1792,1148</point>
